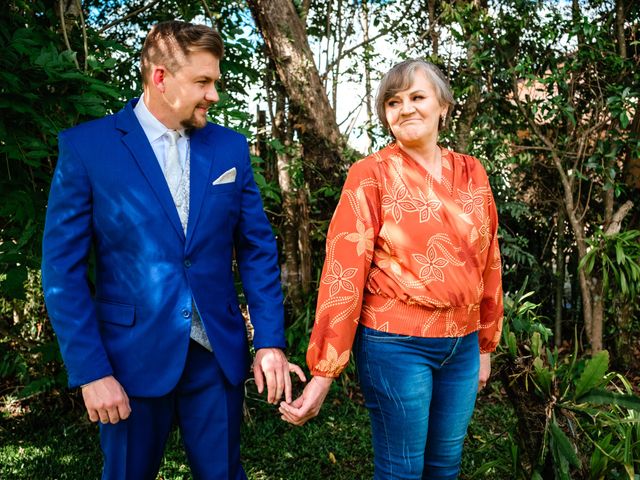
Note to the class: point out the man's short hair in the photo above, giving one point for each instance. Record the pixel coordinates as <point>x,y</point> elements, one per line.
<point>169,43</point>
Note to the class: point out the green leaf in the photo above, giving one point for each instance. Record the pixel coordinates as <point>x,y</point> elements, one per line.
<point>605,397</point>
<point>512,344</point>
<point>619,253</point>
<point>623,284</point>
<point>564,445</point>
<point>535,344</point>
<point>37,386</point>
<point>12,283</point>
<point>112,92</point>
<point>624,119</point>
<point>593,374</point>
<point>630,471</point>
<point>543,376</point>
<point>598,462</point>
<point>628,449</point>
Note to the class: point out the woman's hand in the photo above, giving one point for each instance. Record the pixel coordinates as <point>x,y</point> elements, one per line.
<point>307,405</point>
<point>485,370</point>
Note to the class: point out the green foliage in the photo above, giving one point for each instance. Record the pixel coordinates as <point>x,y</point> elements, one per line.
<point>45,89</point>
<point>617,258</point>
<point>587,418</point>
<point>51,439</point>
<point>593,375</point>
<point>43,92</point>
<point>30,361</point>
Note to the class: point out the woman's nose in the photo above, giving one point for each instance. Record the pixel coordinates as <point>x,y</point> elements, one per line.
<point>407,107</point>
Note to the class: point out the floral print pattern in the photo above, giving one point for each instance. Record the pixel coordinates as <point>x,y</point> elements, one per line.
<point>409,255</point>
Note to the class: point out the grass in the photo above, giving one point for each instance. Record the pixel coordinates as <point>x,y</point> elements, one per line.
<point>51,439</point>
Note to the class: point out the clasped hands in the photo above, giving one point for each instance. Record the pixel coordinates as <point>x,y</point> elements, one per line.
<point>276,369</point>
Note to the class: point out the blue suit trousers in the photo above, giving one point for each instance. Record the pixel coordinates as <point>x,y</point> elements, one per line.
<point>206,408</point>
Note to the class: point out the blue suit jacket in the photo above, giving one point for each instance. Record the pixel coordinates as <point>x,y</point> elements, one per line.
<point>109,192</point>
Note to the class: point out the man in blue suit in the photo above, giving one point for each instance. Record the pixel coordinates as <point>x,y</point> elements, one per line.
<point>167,201</point>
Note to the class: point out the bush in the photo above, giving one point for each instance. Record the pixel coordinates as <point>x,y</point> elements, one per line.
<point>575,418</point>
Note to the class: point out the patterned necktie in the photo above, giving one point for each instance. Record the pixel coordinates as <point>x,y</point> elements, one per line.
<point>173,168</point>
<point>180,193</point>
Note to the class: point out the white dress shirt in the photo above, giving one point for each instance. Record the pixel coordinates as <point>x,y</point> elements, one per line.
<point>155,131</point>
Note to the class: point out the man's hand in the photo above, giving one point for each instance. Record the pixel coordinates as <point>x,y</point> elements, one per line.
<point>106,400</point>
<point>271,365</point>
<point>485,370</point>
<point>307,405</point>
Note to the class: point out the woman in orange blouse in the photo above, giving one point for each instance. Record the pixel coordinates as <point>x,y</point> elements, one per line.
<point>411,283</point>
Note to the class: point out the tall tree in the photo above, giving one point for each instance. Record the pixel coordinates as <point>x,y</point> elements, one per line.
<point>319,154</point>
<point>287,44</point>
<point>575,101</point>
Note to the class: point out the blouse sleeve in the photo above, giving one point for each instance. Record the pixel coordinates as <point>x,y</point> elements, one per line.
<point>349,252</point>
<point>491,307</point>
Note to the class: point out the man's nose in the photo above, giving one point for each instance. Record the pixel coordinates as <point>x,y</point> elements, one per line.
<point>212,95</point>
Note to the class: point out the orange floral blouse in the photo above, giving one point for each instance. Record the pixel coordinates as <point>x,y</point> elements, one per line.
<point>409,255</point>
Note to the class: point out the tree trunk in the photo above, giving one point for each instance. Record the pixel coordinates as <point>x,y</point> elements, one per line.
<point>291,270</point>
<point>469,109</point>
<point>286,41</point>
<point>311,115</point>
<point>338,45</point>
<point>467,116</point>
<point>281,130</point>
<point>625,351</point>
<point>304,243</point>
<point>576,220</point>
<point>585,281</point>
<point>576,15</point>
<point>598,318</point>
<point>560,266</point>
<point>632,160</point>
<point>364,22</point>
<point>597,294</point>
<point>620,19</point>
<point>435,39</point>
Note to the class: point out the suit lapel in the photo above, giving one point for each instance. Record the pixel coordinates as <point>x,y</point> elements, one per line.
<point>138,144</point>
<point>202,157</point>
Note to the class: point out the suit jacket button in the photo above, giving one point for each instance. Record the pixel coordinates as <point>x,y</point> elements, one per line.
<point>187,263</point>
<point>186,313</point>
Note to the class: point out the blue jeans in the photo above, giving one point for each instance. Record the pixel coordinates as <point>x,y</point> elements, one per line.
<point>420,393</point>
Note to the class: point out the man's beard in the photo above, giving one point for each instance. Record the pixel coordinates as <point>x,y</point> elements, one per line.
<point>194,122</point>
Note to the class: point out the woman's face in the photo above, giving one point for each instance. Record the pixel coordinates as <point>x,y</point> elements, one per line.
<point>413,114</point>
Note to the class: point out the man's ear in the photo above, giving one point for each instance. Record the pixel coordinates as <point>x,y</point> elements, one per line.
<point>158,76</point>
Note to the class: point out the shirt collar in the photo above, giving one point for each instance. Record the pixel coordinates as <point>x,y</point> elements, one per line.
<point>153,128</point>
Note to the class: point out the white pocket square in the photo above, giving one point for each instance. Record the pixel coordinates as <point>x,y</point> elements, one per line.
<point>227,177</point>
